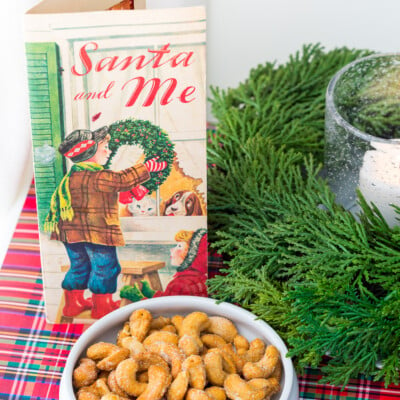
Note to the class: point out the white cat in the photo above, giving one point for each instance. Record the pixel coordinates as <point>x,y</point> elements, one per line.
<point>142,208</point>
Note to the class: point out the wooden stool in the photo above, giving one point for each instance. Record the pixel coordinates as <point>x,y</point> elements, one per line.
<point>136,271</point>
<point>131,271</point>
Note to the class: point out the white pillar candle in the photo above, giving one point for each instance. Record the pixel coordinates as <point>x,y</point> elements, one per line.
<point>380,179</point>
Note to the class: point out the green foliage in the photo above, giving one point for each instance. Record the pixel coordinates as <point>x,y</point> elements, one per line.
<point>324,279</point>
<point>151,138</point>
<point>131,293</point>
<point>357,330</point>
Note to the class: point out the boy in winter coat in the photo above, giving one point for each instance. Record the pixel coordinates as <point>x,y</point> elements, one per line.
<point>84,216</point>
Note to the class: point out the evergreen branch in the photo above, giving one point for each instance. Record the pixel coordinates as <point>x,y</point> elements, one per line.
<point>325,280</point>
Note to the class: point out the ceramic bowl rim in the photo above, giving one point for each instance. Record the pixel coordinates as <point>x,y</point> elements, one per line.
<point>122,314</point>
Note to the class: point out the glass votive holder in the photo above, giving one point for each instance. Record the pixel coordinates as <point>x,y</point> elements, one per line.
<point>362,132</point>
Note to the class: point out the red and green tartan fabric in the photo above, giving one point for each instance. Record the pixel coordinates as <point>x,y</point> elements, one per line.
<point>33,352</point>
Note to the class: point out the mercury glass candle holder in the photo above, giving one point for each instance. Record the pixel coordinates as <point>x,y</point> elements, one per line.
<point>362,129</point>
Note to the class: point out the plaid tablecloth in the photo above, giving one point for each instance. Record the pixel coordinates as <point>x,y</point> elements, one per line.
<point>33,352</point>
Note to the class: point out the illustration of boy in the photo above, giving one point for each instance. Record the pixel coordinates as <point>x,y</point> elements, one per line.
<point>84,216</point>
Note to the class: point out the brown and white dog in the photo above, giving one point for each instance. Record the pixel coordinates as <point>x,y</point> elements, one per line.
<point>183,203</point>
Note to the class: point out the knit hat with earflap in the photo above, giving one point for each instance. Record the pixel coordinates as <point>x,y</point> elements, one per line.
<point>81,144</point>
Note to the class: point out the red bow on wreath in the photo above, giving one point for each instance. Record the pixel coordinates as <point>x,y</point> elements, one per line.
<point>137,192</point>
<point>140,191</point>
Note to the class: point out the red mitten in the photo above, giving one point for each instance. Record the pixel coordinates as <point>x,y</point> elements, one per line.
<point>139,192</point>
<point>154,166</point>
<point>125,197</point>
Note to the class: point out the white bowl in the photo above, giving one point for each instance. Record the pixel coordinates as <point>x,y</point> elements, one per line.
<point>106,329</point>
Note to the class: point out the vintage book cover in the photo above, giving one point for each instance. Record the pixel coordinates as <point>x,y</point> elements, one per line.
<point>118,113</point>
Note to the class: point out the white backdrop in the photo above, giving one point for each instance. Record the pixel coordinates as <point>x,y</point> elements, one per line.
<point>241,34</point>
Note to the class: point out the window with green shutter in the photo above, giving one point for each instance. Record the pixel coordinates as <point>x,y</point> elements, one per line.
<point>44,79</point>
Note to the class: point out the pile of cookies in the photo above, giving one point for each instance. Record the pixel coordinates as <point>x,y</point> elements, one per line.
<point>193,357</point>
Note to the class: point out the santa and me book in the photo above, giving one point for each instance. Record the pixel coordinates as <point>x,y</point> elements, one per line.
<point>117,101</point>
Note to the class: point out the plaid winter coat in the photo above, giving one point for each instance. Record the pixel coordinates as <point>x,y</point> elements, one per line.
<point>94,198</point>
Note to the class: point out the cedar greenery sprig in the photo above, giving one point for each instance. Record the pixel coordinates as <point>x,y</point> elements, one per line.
<point>357,330</point>
<point>325,280</point>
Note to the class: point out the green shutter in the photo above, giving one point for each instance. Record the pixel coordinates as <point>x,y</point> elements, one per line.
<point>44,79</point>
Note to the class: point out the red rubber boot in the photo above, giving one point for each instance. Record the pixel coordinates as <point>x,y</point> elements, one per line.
<point>103,304</point>
<point>85,302</point>
<point>75,303</point>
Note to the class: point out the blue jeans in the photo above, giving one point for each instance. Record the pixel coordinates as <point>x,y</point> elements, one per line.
<point>93,266</point>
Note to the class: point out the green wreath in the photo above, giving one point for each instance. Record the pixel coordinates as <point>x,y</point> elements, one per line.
<point>151,138</point>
